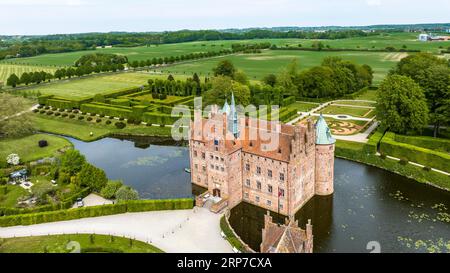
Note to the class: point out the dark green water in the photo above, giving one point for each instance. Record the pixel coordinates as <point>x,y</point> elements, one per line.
<point>368,204</point>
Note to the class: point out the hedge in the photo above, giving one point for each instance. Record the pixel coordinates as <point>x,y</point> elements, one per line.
<point>354,151</point>
<point>106,110</point>
<point>231,238</point>
<point>156,118</point>
<point>374,140</point>
<point>61,104</point>
<point>288,101</point>
<point>77,213</point>
<point>121,92</point>
<point>121,102</point>
<point>427,157</point>
<point>431,143</point>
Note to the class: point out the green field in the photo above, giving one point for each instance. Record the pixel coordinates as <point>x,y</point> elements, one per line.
<point>273,61</point>
<point>88,244</point>
<point>396,40</point>
<point>7,69</point>
<point>87,87</point>
<point>27,147</point>
<point>142,52</point>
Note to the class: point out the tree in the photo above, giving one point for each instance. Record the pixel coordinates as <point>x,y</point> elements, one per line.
<point>270,79</point>
<point>25,78</point>
<point>221,88</point>
<point>109,191</point>
<point>126,193</point>
<point>433,75</point>
<point>241,77</point>
<point>13,80</point>
<point>91,177</point>
<point>72,161</point>
<point>12,125</point>
<point>401,105</point>
<point>224,68</point>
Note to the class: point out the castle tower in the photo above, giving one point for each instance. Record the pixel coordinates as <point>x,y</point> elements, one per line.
<point>324,158</point>
<point>233,118</point>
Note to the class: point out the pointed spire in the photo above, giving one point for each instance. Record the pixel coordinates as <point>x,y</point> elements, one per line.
<point>233,118</point>
<point>226,108</point>
<point>323,133</point>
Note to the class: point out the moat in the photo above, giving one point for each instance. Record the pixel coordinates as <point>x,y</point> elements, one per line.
<point>369,204</point>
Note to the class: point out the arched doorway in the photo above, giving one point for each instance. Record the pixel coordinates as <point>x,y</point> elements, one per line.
<point>216,192</point>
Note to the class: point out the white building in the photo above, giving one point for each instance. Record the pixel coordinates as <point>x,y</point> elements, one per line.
<point>424,37</point>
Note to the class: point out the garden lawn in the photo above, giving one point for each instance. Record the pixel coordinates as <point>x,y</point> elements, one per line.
<point>344,110</point>
<point>80,129</point>
<point>88,87</point>
<point>303,106</point>
<point>27,147</point>
<point>13,193</point>
<point>88,243</point>
<point>368,95</point>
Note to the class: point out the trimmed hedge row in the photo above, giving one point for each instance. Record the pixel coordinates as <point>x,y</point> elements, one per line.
<point>372,145</point>
<point>426,157</point>
<point>156,118</point>
<point>77,213</point>
<point>120,102</point>
<point>354,151</point>
<point>431,143</point>
<point>106,110</point>
<point>121,92</point>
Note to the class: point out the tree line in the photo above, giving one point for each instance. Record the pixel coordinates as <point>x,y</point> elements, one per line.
<point>38,45</point>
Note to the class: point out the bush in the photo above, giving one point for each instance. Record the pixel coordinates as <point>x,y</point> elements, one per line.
<point>108,122</point>
<point>35,110</point>
<point>49,113</point>
<point>98,120</point>
<point>80,118</point>
<point>111,117</point>
<point>126,193</point>
<point>57,114</point>
<point>92,114</point>
<point>403,161</point>
<point>60,110</point>
<point>120,125</point>
<point>130,121</point>
<point>89,119</point>
<point>109,191</point>
<point>43,143</point>
<point>102,115</point>
<point>42,111</point>
<point>64,115</point>
<point>71,116</point>
<point>426,168</point>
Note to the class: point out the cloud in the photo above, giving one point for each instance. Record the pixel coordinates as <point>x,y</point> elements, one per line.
<point>42,2</point>
<point>373,3</point>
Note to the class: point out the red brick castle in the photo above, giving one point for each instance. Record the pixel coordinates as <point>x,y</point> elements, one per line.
<point>275,166</point>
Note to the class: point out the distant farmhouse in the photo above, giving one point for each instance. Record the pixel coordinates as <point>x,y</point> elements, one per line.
<point>430,37</point>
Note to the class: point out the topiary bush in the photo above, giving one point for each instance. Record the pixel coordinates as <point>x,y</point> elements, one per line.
<point>49,113</point>
<point>98,120</point>
<point>89,119</point>
<point>120,125</point>
<point>71,116</point>
<point>108,122</point>
<point>80,118</point>
<point>403,161</point>
<point>426,168</point>
<point>64,115</point>
<point>42,143</point>
<point>57,114</point>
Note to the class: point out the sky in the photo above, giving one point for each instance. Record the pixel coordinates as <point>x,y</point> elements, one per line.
<point>26,17</point>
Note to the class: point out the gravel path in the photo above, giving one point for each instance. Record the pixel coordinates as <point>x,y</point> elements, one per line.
<point>195,230</point>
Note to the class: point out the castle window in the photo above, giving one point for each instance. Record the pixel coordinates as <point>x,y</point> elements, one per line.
<point>269,203</point>
<point>281,193</point>
<point>211,156</point>
<point>251,144</point>
<point>269,173</point>
<point>281,176</point>
<point>258,170</point>
<point>216,142</point>
<point>279,150</point>
<point>196,166</point>
<point>257,199</point>
<point>247,182</point>
<point>270,189</point>
<point>221,159</point>
<point>204,168</point>
<point>216,148</point>
<point>246,195</point>
<point>203,155</point>
<point>217,167</point>
<point>247,167</point>
<point>217,158</point>
<point>222,169</point>
<point>195,153</point>
<point>198,179</point>
<point>258,185</point>
<point>212,166</point>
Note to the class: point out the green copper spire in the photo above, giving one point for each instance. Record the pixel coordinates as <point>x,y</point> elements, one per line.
<point>323,133</point>
<point>226,108</point>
